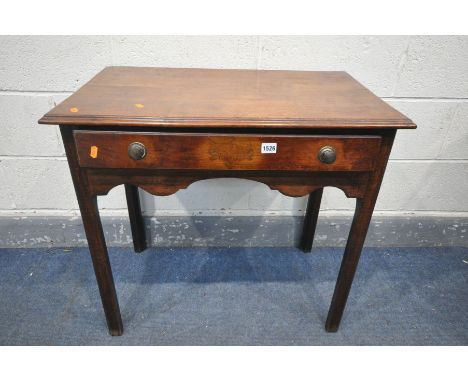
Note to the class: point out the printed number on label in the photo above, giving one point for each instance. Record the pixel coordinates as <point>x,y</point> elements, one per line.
<point>269,148</point>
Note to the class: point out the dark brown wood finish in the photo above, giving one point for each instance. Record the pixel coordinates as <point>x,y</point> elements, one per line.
<point>310,219</point>
<point>96,241</point>
<point>357,235</point>
<point>225,151</point>
<point>137,224</point>
<point>132,97</point>
<point>163,183</point>
<point>200,124</point>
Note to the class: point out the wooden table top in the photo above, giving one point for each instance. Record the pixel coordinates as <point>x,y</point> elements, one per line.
<point>176,97</point>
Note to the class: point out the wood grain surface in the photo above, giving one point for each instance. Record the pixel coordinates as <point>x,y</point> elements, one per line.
<point>225,151</point>
<point>196,124</point>
<point>177,97</point>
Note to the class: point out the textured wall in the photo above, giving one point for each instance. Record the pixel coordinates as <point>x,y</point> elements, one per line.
<point>424,77</point>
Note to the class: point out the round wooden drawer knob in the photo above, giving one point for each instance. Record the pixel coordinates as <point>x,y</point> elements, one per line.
<point>136,150</point>
<point>327,154</point>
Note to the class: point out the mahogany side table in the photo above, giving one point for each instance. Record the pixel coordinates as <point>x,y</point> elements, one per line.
<point>162,129</point>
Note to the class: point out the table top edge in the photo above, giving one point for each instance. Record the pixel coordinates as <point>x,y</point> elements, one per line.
<point>224,122</point>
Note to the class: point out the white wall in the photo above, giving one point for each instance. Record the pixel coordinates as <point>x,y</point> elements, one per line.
<point>424,77</point>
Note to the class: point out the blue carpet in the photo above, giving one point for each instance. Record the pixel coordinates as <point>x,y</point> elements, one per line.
<point>235,296</point>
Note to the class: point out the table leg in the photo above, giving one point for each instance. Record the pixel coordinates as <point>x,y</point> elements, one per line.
<point>357,235</point>
<point>102,267</point>
<point>95,235</point>
<point>310,220</point>
<point>136,219</point>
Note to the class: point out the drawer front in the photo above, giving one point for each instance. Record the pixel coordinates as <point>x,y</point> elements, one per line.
<point>226,151</point>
